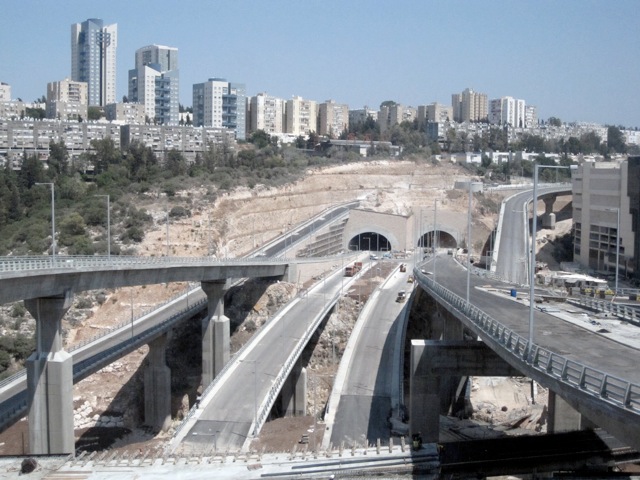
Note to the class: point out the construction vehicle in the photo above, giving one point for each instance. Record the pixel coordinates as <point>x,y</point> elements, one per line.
<point>351,270</point>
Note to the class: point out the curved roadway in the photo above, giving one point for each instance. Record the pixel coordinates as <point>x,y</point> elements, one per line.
<point>513,258</point>
<point>367,386</point>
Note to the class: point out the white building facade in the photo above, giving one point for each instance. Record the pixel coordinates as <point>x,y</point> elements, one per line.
<point>222,104</point>
<point>302,116</point>
<point>155,83</point>
<point>333,118</point>
<point>267,113</point>
<point>67,100</point>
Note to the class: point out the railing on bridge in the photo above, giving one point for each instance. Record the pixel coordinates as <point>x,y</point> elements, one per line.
<point>140,338</point>
<point>286,369</point>
<point>20,264</point>
<point>621,311</point>
<point>599,384</point>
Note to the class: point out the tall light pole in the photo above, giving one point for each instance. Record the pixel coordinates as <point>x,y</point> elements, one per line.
<point>469,244</point>
<point>53,219</point>
<point>167,231</point>
<point>617,247</point>
<point>532,255</point>
<point>108,224</point>
<point>435,238</point>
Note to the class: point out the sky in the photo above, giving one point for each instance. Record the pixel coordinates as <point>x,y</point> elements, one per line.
<point>578,60</point>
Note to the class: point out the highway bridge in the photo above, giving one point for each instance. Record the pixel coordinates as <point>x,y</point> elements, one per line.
<point>617,399</point>
<point>47,285</point>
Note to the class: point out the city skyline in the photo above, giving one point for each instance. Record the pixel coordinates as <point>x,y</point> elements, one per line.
<point>576,60</point>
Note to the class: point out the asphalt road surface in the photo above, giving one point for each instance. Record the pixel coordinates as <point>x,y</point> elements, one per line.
<point>366,397</point>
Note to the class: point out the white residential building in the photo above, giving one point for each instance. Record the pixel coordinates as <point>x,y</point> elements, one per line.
<point>267,113</point>
<point>507,111</point>
<point>390,115</point>
<point>333,118</point>
<point>469,106</point>
<point>219,103</point>
<point>434,113</point>
<point>302,116</point>
<point>67,100</point>
<point>154,82</point>
<point>126,113</point>
<point>360,115</point>
<point>5,92</point>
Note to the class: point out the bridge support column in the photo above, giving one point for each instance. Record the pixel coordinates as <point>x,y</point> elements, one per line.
<point>549,218</point>
<point>432,361</point>
<point>157,385</point>
<point>294,393</point>
<point>215,333</point>
<point>50,380</point>
<point>563,417</point>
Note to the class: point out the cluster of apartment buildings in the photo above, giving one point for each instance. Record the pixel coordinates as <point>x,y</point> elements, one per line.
<point>221,109</point>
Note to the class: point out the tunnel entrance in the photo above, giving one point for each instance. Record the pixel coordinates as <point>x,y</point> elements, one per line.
<point>442,240</point>
<point>370,241</point>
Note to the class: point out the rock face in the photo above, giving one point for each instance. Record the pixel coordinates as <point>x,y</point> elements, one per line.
<point>84,417</point>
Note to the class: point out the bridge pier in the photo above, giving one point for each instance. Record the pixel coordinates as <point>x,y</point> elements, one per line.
<point>432,362</point>
<point>294,392</point>
<point>216,338</point>
<point>157,385</point>
<point>549,218</point>
<point>50,379</point>
<point>563,417</point>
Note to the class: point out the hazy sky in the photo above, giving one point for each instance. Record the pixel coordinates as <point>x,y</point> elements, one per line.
<point>578,60</point>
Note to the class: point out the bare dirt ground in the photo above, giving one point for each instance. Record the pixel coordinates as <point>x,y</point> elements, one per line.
<point>233,225</point>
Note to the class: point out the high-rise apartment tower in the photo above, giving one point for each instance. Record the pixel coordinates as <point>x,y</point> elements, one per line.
<point>93,59</point>
<point>154,82</point>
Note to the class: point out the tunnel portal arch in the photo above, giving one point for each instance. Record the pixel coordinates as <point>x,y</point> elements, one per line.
<point>442,238</point>
<point>372,241</point>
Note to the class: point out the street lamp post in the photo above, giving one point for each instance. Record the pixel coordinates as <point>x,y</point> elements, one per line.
<point>108,224</point>
<point>435,237</point>
<point>532,256</point>
<point>53,219</point>
<point>167,232</point>
<point>469,244</point>
<point>617,247</point>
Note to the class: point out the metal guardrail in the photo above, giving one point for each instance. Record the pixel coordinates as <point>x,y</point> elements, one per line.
<point>276,386</point>
<point>21,264</point>
<point>623,312</point>
<point>97,336</point>
<point>110,354</point>
<point>225,368</point>
<point>601,385</point>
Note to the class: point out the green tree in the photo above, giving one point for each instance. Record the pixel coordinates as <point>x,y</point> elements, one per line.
<point>36,113</point>
<point>58,157</point>
<point>31,172</point>
<point>105,153</point>
<point>260,138</point>
<point>615,140</point>
<point>94,113</point>
<point>554,122</point>
<point>175,163</point>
